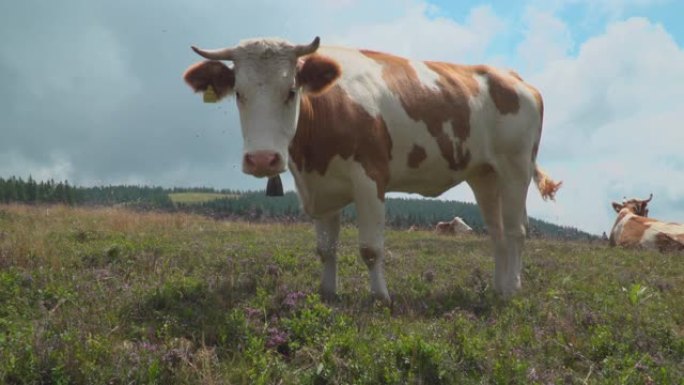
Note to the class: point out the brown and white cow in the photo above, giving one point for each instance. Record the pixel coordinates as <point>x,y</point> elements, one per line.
<point>455,226</point>
<point>352,125</point>
<point>633,228</point>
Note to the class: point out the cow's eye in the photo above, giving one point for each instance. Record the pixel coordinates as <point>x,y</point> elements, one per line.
<point>291,95</point>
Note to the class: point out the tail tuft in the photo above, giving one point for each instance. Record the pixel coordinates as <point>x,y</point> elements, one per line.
<point>547,187</point>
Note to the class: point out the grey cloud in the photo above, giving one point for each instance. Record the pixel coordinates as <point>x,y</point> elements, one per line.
<point>97,85</point>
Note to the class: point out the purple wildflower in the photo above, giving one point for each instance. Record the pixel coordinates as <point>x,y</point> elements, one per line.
<point>251,312</point>
<point>276,337</point>
<point>292,298</point>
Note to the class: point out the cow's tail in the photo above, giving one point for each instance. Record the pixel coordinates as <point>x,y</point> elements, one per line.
<point>547,187</point>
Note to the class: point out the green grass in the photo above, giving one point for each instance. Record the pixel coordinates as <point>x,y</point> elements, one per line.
<point>109,296</point>
<point>196,197</point>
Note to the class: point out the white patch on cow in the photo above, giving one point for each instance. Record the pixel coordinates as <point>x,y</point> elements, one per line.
<point>427,77</point>
<point>668,228</point>
<point>359,79</point>
<point>616,232</point>
<point>321,195</point>
<point>460,225</point>
<point>648,239</point>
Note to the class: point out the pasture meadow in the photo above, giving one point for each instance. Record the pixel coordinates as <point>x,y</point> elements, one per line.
<point>112,296</point>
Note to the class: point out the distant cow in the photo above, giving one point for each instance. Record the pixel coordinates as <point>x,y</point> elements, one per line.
<point>413,228</point>
<point>352,125</point>
<point>634,229</point>
<point>456,226</point>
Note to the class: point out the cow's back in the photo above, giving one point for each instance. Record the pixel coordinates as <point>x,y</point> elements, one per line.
<point>424,126</point>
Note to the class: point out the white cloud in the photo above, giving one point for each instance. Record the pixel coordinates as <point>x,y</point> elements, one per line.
<point>417,35</point>
<point>613,113</point>
<point>58,167</point>
<point>547,39</point>
<point>597,8</point>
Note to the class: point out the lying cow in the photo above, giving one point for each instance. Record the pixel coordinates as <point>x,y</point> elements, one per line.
<point>457,225</point>
<point>352,125</point>
<point>634,229</point>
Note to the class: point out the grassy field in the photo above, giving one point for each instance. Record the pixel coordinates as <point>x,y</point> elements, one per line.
<point>109,296</point>
<point>199,197</point>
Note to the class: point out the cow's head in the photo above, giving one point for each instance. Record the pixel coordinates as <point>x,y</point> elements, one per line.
<point>268,77</point>
<point>635,206</point>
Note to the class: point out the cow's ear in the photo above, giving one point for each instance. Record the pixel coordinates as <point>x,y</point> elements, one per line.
<point>317,73</point>
<point>200,76</point>
<point>617,207</point>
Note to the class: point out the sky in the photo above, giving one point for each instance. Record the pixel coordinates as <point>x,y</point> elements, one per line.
<point>91,90</point>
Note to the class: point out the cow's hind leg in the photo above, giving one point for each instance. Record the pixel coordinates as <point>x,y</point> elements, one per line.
<point>515,181</point>
<point>371,222</point>
<point>327,235</point>
<point>485,186</point>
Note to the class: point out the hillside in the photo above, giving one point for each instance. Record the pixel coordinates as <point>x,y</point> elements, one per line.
<point>252,205</point>
<point>111,295</point>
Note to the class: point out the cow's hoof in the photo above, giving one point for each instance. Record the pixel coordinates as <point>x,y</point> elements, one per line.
<point>507,292</point>
<point>383,299</point>
<point>329,297</point>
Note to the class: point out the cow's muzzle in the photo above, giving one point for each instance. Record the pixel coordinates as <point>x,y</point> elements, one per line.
<point>263,163</point>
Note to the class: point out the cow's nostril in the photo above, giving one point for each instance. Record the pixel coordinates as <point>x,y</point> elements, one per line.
<point>274,161</point>
<point>249,159</point>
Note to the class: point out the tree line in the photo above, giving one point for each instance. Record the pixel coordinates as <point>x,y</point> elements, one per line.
<point>17,190</point>
<point>401,213</point>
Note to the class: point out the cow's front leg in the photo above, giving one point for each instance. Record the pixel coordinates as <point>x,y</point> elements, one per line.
<point>327,235</point>
<point>371,222</point>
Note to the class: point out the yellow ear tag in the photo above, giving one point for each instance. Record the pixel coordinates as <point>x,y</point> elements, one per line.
<point>210,95</point>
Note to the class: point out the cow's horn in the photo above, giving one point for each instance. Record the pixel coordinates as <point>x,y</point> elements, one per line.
<point>301,50</point>
<point>649,198</point>
<point>215,54</point>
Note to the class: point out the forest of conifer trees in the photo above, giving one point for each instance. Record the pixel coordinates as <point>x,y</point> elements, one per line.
<point>252,205</point>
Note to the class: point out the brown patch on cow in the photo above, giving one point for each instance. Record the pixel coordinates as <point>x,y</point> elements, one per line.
<point>369,256</point>
<point>632,232</point>
<point>445,228</point>
<point>669,243</point>
<point>643,220</point>
<point>200,76</point>
<point>449,103</point>
<point>515,75</point>
<point>317,73</point>
<point>416,156</point>
<point>332,124</point>
<point>502,90</point>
